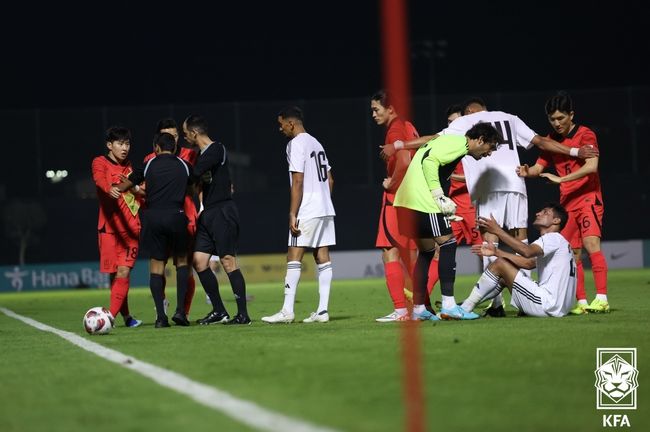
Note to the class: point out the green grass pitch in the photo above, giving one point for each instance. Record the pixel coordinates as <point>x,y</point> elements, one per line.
<point>523,374</point>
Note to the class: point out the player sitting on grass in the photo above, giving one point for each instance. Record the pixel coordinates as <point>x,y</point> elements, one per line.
<point>554,294</point>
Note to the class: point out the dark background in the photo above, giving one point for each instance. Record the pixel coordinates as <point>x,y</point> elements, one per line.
<point>69,71</point>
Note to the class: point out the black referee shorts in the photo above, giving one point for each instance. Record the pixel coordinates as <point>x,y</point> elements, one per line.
<point>217,230</point>
<point>164,233</point>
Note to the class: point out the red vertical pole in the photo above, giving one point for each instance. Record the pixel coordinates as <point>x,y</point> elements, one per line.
<point>396,68</point>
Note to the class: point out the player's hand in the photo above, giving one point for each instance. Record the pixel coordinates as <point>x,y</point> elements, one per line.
<point>522,170</point>
<point>588,151</point>
<point>446,205</point>
<point>551,177</point>
<point>114,192</point>
<point>386,182</point>
<point>387,150</point>
<point>206,177</point>
<point>487,249</point>
<point>293,225</point>
<point>488,225</point>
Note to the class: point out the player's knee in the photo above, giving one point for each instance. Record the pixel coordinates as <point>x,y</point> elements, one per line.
<point>123,272</point>
<point>229,263</point>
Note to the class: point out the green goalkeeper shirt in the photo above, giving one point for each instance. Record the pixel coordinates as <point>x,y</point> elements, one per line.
<point>422,175</point>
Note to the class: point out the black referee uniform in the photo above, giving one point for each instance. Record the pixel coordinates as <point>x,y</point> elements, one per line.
<point>218,229</point>
<point>164,225</point>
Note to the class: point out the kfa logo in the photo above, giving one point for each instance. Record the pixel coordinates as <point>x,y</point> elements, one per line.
<point>616,378</point>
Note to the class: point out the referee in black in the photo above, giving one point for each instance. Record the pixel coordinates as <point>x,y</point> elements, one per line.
<point>217,230</point>
<point>164,224</point>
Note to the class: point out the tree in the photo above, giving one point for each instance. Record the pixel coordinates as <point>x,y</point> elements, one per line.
<point>23,220</point>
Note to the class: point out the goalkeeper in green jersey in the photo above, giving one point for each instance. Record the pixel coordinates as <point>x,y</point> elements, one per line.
<point>424,213</point>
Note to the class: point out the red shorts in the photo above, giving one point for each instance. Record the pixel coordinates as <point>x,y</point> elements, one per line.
<point>583,222</point>
<point>117,249</point>
<point>465,229</point>
<point>388,235</point>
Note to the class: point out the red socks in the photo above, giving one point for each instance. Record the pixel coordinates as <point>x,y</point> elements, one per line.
<point>581,294</point>
<point>119,291</point>
<point>395,283</point>
<point>599,269</point>
<point>189,295</point>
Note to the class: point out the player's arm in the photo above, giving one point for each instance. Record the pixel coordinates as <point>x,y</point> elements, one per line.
<point>430,167</point>
<point>297,181</point>
<point>330,181</point>
<point>590,166</point>
<point>526,171</point>
<point>457,177</point>
<point>403,159</point>
<point>488,249</point>
<point>550,145</point>
<point>526,250</point>
<point>101,179</point>
<point>388,150</point>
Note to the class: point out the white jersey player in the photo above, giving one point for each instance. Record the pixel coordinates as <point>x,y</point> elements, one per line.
<point>311,215</point>
<point>553,295</point>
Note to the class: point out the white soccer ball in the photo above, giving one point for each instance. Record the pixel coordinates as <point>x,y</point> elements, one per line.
<point>98,320</point>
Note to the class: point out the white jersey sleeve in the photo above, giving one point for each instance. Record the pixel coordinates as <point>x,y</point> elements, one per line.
<point>557,274</point>
<point>296,156</point>
<point>496,173</point>
<point>306,155</point>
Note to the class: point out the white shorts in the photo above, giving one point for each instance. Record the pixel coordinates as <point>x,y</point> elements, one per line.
<point>314,233</point>
<point>527,296</point>
<point>510,209</point>
<point>214,258</point>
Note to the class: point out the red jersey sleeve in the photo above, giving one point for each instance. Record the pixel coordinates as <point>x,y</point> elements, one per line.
<point>544,159</point>
<point>101,174</point>
<point>188,155</point>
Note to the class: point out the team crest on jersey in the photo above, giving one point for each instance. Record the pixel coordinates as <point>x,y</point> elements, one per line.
<point>616,378</point>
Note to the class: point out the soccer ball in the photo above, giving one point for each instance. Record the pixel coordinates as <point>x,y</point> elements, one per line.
<point>98,320</point>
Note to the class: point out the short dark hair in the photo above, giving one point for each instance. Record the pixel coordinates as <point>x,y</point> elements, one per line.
<point>558,212</point>
<point>118,133</point>
<point>490,135</point>
<point>474,100</point>
<point>455,108</point>
<point>292,112</point>
<point>382,97</point>
<point>560,102</point>
<point>166,123</point>
<point>165,141</point>
<point>197,124</point>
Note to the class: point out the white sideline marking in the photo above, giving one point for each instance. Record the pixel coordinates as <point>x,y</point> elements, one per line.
<point>241,410</point>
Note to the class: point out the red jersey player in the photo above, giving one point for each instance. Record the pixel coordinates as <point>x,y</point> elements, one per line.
<point>119,224</point>
<point>580,194</point>
<point>399,252</point>
<point>168,125</point>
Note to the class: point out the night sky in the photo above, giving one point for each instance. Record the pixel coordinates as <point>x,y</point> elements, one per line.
<point>115,53</point>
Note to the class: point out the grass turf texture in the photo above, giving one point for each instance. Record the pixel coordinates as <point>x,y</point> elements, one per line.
<point>522,374</point>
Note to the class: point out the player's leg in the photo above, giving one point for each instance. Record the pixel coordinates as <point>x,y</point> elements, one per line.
<point>156,271</point>
<point>591,222</point>
<point>324,265</point>
<point>126,254</point>
<point>396,283</point>
<point>238,285</point>
<point>291,280</point>
<point>499,273</point>
<point>394,248</point>
<point>571,233</point>
<point>203,250</point>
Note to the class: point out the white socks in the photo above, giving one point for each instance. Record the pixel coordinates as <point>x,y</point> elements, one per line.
<point>324,284</point>
<point>602,297</point>
<point>487,287</point>
<point>448,302</point>
<point>291,285</point>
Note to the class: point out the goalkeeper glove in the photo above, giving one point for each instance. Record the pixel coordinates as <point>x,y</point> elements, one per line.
<point>446,205</point>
